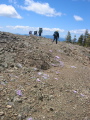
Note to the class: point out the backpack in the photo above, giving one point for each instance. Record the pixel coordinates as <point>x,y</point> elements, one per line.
<point>30,32</point>
<point>55,34</point>
<point>40,30</point>
<point>35,32</point>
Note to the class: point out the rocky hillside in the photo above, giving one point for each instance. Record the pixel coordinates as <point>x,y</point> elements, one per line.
<point>41,80</point>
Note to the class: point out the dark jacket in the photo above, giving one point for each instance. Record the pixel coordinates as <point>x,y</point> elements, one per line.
<point>56,34</point>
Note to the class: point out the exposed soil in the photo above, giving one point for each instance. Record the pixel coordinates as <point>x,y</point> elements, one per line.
<point>41,80</point>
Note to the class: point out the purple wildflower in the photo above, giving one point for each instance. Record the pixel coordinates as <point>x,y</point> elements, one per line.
<point>19,92</point>
<point>82,95</point>
<point>74,91</point>
<point>38,80</point>
<point>56,78</point>
<point>50,50</point>
<point>73,67</point>
<point>61,63</point>
<point>30,118</point>
<point>39,73</point>
<point>57,57</point>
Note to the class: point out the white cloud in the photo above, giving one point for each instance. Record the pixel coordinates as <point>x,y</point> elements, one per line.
<point>9,11</point>
<point>79,31</point>
<point>27,28</point>
<point>78,18</point>
<point>53,29</point>
<point>1,27</point>
<point>40,8</point>
<point>24,28</point>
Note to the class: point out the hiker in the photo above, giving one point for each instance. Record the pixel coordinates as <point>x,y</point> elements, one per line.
<point>40,31</point>
<point>56,36</point>
<point>35,32</point>
<point>30,32</point>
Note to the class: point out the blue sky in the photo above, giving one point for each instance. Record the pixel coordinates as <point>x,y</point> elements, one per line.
<point>21,16</point>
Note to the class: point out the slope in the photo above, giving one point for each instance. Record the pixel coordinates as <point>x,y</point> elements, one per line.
<point>43,81</point>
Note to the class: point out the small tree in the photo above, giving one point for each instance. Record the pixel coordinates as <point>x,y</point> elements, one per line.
<point>74,39</point>
<point>88,41</point>
<point>68,37</point>
<point>85,37</point>
<point>80,40</point>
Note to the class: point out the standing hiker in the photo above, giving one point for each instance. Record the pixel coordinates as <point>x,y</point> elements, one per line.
<point>35,32</point>
<point>40,31</point>
<point>56,36</point>
<point>30,32</point>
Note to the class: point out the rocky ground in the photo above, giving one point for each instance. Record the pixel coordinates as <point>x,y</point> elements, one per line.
<point>41,80</point>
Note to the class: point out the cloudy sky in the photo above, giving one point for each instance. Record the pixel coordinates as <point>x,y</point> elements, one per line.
<point>21,16</point>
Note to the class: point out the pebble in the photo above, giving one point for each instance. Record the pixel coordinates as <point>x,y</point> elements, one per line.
<point>9,106</point>
<point>1,113</point>
<point>18,65</point>
<point>17,100</point>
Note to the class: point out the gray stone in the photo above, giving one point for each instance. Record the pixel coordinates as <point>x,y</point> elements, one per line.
<point>1,113</point>
<point>16,99</point>
<point>1,49</point>
<point>18,65</point>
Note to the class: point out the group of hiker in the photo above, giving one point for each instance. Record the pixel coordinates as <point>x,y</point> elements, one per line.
<point>55,34</point>
<point>37,32</point>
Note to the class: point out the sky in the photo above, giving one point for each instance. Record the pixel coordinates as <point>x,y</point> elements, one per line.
<point>22,16</point>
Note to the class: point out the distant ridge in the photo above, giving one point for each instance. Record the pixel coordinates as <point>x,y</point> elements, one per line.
<point>51,37</point>
<point>46,36</point>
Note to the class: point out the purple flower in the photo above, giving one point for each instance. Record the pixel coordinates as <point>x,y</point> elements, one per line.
<point>73,67</point>
<point>82,95</point>
<point>57,57</point>
<point>57,72</point>
<point>61,63</point>
<point>19,92</point>
<point>38,80</point>
<point>56,78</point>
<point>50,50</point>
<point>30,118</point>
<point>45,76</point>
<point>39,73</point>
<point>74,91</point>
